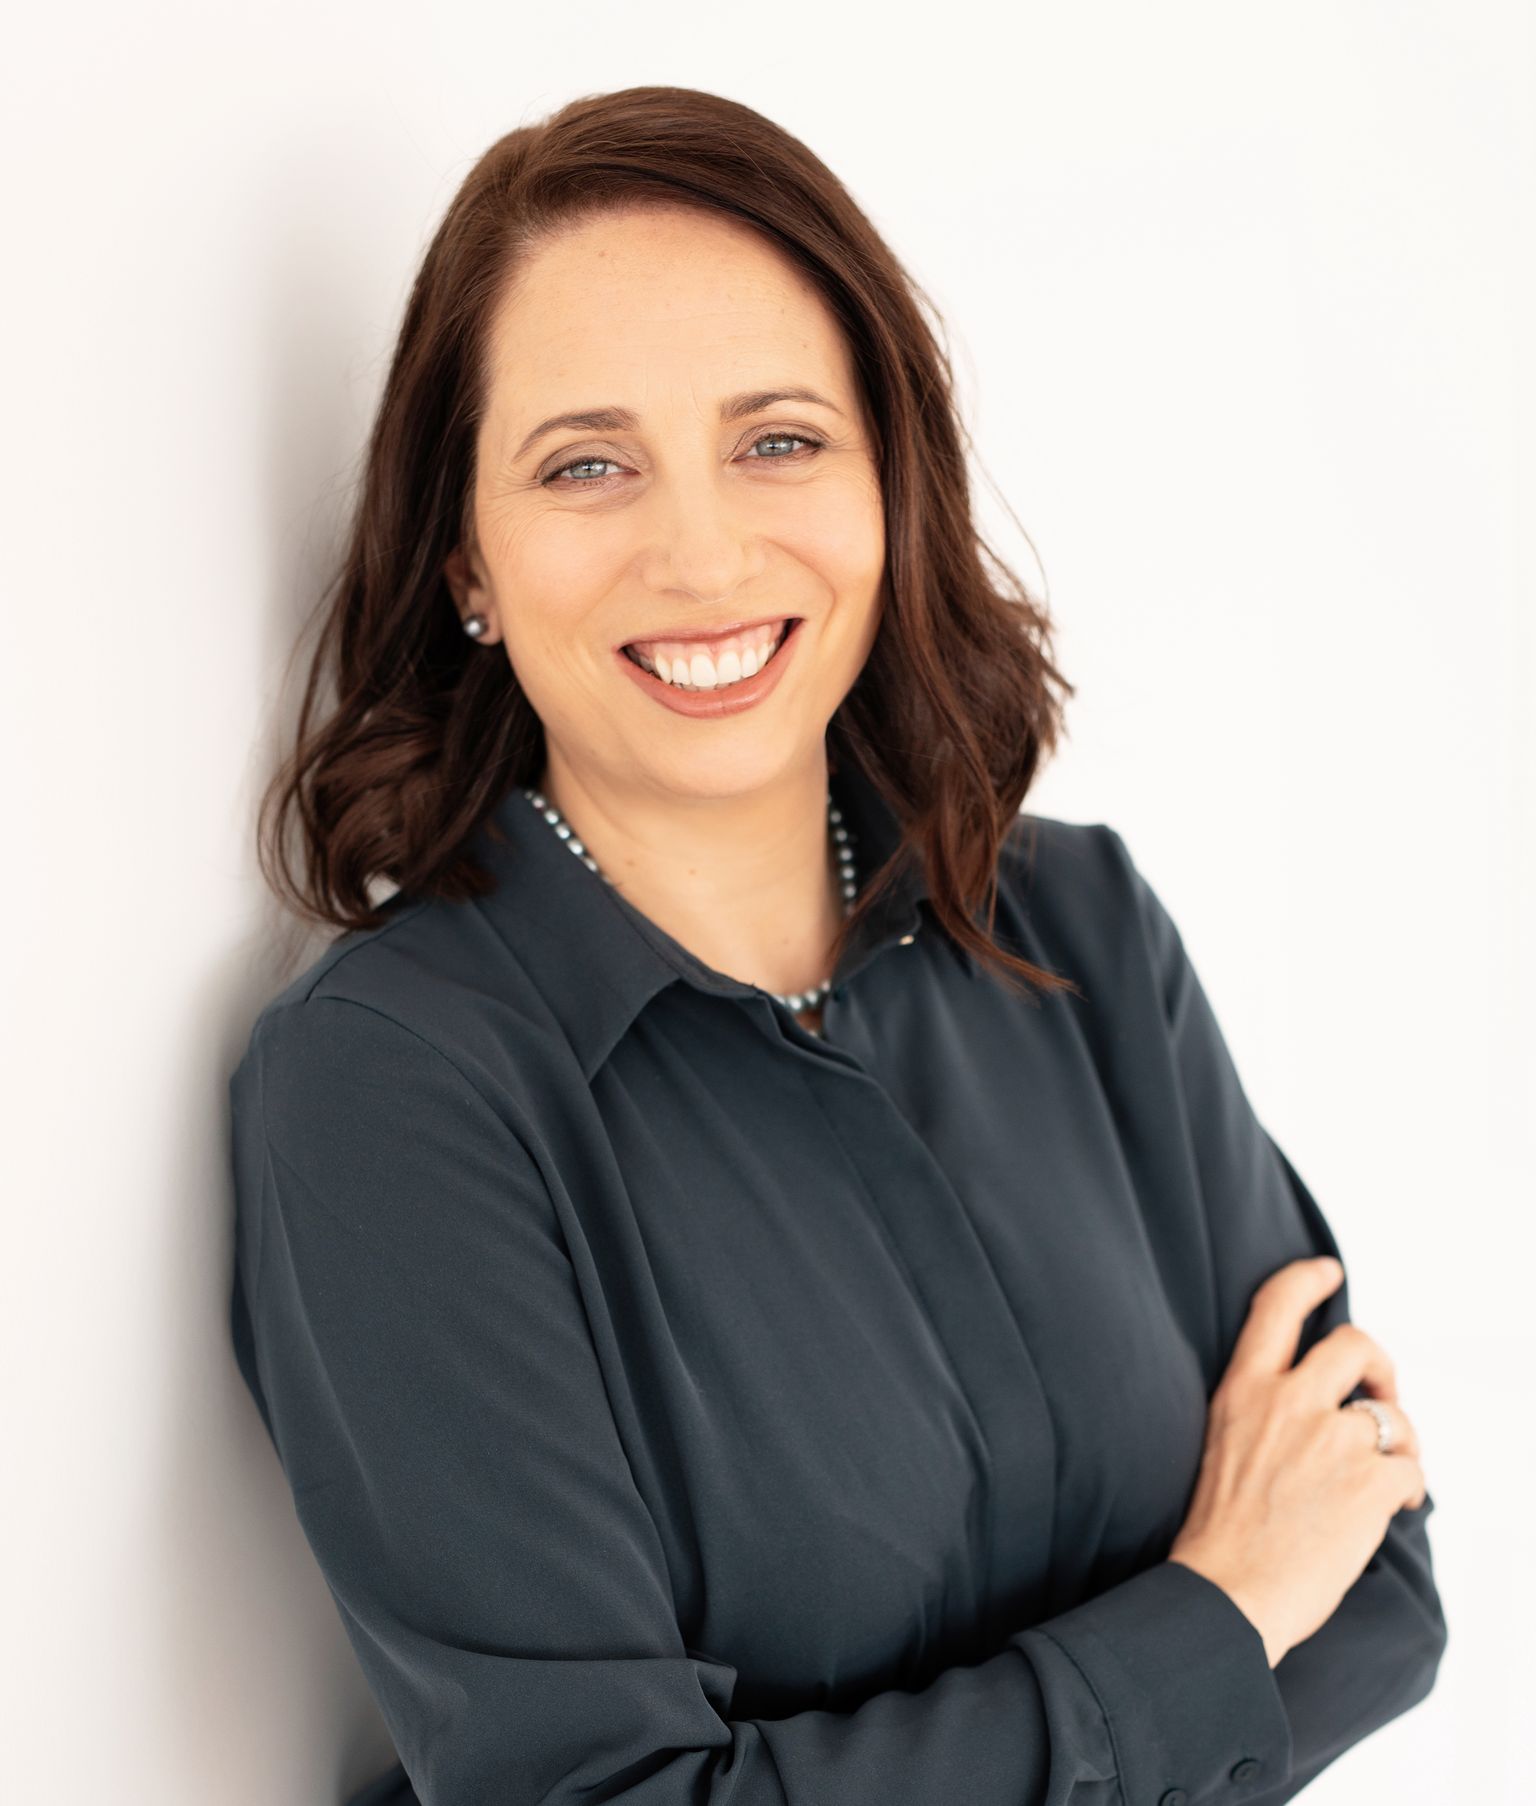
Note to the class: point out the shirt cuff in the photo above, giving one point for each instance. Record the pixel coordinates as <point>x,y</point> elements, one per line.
<point>1182,1677</point>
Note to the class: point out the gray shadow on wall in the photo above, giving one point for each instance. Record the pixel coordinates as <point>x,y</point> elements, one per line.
<point>345,216</point>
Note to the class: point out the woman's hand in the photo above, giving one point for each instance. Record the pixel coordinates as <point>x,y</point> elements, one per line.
<point>1292,1499</point>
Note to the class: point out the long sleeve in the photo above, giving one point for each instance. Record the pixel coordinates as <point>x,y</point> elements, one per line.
<point>1377,1655</point>
<point>408,1317</point>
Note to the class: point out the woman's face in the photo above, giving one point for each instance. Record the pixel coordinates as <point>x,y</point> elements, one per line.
<point>700,501</point>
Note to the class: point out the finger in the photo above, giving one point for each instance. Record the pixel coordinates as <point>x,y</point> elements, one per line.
<point>1403,1438</point>
<point>1403,1479</point>
<point>1271,1331</point>
<point>1345,1358</point>
<point>1379,1377</point>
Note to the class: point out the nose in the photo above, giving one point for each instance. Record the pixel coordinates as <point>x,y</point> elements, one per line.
<point>707,543</point>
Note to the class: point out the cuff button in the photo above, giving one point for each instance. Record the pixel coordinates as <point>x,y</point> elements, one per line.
<point>1175,1796</point>
<point>1246,1769</point>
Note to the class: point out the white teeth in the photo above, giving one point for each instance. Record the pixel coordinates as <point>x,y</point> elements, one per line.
<point>701,672</point>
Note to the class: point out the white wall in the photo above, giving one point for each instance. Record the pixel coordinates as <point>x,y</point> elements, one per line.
<point>1237,298</point>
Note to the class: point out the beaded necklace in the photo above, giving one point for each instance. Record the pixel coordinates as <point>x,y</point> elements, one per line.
<point>793,1000</point>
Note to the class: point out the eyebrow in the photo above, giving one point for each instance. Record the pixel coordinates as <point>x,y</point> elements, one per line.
<point>615,420</point>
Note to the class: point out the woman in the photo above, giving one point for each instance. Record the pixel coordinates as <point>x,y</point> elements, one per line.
<point>755,1258</point>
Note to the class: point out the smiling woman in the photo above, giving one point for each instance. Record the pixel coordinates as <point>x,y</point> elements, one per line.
<point>660,381</point>
<point>689,496</point>
<point>741,1253</point>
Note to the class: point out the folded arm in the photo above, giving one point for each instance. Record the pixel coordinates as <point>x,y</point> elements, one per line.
<point>1378,1654</point>
<point>411,1326</point>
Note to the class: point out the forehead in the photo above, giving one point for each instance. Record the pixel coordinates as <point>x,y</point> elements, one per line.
<point>658,303</point>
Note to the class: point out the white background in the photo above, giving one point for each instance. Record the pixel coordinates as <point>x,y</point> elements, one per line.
<point>1235,295</point>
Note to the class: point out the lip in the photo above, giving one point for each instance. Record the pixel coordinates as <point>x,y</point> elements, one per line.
<point>707,704</point>
<point>689,631</point>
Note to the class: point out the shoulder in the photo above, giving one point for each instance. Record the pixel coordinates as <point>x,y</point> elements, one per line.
<point>1045,848</point>
<point>1077,874</point>
<point>381,1100</point>
<point>1073,892</point>
<point>377,1157</point>
<point>430,1010</point>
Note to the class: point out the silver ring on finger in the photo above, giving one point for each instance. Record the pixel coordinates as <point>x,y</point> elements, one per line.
<point>1383,1421</point>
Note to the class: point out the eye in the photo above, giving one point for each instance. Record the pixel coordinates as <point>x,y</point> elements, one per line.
<point>576,464</point>
<point>783,438</point>
<point>811,447</point>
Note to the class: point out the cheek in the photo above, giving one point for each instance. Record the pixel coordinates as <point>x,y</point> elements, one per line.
<point>841,536</point>
<point>552,566</point>
<point>551,579</point>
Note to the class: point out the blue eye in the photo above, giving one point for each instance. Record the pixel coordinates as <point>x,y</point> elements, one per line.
<point>797,438</point>
<point>811,447</point>
<point>575,464</point>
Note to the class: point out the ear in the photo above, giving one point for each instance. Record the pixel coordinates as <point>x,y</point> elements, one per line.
<point>461,579</point>
<point>467,586</point>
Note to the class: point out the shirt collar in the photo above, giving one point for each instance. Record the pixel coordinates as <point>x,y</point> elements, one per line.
<point>598,960</point>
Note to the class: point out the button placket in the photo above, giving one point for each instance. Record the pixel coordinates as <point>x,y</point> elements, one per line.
<point>951,1274</point>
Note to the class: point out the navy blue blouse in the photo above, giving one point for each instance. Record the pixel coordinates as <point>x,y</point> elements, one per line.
<point>686,1407</point>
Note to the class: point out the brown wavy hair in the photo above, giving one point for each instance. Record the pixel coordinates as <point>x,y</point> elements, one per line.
<point>422,730</point>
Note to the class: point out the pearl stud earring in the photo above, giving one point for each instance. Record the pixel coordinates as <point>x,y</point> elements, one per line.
<point>475,626</point>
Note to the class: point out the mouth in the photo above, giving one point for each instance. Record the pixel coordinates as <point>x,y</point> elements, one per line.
<point>696,666</point>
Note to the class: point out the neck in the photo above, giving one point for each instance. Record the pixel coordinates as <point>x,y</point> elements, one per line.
<point>746,881</point>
